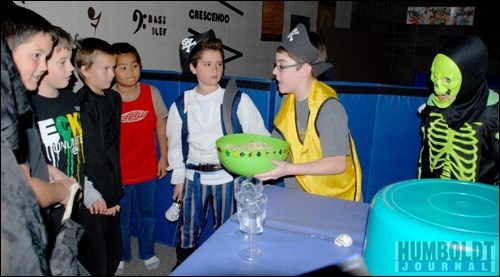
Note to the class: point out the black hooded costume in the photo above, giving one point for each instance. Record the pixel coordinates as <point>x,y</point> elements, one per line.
<point>461,141</point>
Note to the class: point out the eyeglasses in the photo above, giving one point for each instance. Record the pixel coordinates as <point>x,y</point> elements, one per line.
<point>283,67</point>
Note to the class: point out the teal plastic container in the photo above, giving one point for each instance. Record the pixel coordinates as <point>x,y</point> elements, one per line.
<point>433,227</point>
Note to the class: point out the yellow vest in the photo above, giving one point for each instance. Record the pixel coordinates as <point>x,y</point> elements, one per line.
<point>346,185</point>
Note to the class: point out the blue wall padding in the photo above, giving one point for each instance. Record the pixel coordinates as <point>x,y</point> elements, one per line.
<point>396,142</point>
<point>168,87</point>
<point>361,111</point>
<point>261,98</point>
<point>382,118</point>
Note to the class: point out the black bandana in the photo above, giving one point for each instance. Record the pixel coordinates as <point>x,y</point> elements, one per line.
<point>188,44</point>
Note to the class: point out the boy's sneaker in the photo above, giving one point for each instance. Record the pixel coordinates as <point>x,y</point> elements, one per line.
<point>119,270</point>
<point>152,263</point>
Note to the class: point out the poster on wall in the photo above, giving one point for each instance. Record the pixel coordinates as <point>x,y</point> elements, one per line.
<point>296,19</point>
<point>460,16</point>
<point>272,20</point>
<point>326,17</point>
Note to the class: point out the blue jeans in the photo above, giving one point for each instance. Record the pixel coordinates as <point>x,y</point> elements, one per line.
<point>142,198</point>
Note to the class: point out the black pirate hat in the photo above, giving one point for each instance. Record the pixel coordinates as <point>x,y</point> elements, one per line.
<point>188,44</point>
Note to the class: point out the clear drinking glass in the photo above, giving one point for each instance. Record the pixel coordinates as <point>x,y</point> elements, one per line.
<point>251,216</point>
<point>251,211</point>
<point>247,183</point>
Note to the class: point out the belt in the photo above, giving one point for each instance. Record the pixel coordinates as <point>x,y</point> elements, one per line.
<point>205,167</point>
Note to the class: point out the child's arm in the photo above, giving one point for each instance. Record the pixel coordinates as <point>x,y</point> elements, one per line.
<point>177,192</point>
<point>49,193</point>
<point>175,157</point>
<point>113,211</point>
<point>174,141</point>
<point>161,134</point>
<point>92,198</point>
<point>55,173</point>
<point>250,117</point>
<point>161,130</point>
<point>324,166</point>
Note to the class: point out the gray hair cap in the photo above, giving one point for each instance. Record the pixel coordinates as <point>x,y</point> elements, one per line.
<point>297,42</point>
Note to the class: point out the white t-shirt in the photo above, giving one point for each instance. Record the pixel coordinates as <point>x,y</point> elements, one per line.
<point>204,128</point>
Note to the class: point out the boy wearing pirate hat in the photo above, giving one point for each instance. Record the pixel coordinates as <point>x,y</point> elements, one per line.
<point>323,158</point>
<point>193,125</point>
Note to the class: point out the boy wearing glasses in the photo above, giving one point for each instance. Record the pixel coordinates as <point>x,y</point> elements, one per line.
<point>323,158</point>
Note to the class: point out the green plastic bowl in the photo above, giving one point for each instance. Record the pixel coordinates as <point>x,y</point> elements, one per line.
<point>236,155</point>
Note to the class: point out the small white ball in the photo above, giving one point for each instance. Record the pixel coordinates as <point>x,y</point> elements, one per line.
<point>343,240</point>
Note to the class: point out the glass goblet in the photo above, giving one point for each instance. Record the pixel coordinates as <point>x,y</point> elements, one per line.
<point>252,215</point>
<point>246,184</point>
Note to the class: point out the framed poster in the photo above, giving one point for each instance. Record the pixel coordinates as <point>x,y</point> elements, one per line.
<point>272,20</point>
<point>463,16</point>
<point>296,19</point>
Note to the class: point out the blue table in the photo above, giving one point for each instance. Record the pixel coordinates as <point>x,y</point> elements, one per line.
<point>298,237</point>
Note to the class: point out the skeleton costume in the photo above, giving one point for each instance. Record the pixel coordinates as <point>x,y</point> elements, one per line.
<point>460,121</point>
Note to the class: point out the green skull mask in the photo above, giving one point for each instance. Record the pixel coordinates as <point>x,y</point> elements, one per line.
<point>447,80</point>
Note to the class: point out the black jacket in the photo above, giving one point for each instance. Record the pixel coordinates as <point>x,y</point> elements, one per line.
<point>100,117</point>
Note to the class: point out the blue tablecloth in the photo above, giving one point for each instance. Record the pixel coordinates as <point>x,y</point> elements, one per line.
<point>298,237</point>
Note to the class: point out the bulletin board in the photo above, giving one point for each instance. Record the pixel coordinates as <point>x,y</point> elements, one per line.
<point>272,20</point>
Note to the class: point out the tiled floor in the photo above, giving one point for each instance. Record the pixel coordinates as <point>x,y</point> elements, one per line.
<point>136,267</point>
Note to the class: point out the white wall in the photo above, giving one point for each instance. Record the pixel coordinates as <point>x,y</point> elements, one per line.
<point>158,43</point>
